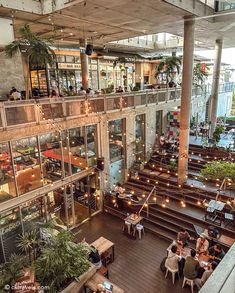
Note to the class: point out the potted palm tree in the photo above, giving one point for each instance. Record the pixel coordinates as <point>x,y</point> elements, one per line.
<point>200,73</point>
<point>28,243</point>
<point>34,50</point>
<point>168,67</point>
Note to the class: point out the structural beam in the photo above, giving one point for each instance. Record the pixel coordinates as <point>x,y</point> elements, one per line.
<point>213,104</point>
<point>189,27</point>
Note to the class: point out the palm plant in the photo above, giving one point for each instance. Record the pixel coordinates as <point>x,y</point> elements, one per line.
<point>27,243</point>
<point>34,50</point>
<point>169,66</point>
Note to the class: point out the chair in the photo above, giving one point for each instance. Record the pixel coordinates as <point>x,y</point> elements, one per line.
<point>140,229</point>
<point>128,225</point>
<point>189,282</point>
<point>173,272</point>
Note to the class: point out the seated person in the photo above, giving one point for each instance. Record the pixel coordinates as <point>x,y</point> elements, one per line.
<point>95,258</point>
<point>216,252</point>
<point>173,259</point>
<point>183,237</point>
<point>191,266</point>
<point>202,244</point>
<point>200,282</point>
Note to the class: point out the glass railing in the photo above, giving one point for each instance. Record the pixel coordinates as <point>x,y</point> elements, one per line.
<point>18,113</point>
<point>210,3</point>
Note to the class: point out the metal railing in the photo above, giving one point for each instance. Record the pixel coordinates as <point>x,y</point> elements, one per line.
<point>25,112</point>
<point>146,202</point>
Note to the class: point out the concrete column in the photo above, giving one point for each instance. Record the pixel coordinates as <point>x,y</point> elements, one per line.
<point>213,103</point>
<point>84,65</point>
<point>187,77</point>
<point>139,75</point>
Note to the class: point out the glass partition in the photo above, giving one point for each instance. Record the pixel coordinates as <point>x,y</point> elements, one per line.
<point>33,212</point>
<point>20,115</point>
<point>27,164</point>
<point>50,148</point>
<point>91,134</point>
<point>7,184</point>
<point>77,149</point>
<point>140,137</point>
<point>116,139</point>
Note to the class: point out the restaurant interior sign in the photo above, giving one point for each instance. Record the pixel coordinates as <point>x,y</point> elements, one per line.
<point>69,66</point>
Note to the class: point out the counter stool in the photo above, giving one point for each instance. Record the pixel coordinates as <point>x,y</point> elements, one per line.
<point>173,272</point>
<point>140,229</point>
<point>189,282</point>
<point>128,225</point>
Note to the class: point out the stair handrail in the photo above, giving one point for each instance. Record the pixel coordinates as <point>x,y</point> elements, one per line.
<point>146,200</point>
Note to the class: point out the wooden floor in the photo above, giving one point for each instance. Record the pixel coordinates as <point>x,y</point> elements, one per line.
<point>136,264</point>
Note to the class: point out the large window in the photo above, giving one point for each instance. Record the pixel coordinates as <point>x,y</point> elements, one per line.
<point>77,149</point>
<point>91,144</point>
<point>51,156</point>
<point>7,184</point>
<point>27,164</point>
<point>116,139</point>
<point>140,137</point>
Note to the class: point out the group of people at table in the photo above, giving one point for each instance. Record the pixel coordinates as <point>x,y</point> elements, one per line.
<point>195,264</point>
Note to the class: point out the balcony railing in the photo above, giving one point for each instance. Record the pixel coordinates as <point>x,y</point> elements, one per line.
<point>18,113</point>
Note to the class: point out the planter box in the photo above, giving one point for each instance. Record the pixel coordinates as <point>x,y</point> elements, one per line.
<point>78,287</point>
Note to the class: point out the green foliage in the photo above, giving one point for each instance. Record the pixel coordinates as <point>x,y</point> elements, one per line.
<point>168,66</point>
<point>199,75</point>
<point>172,165</point>
<point>62,261</point>
<point>219,169</point>
<point>218,131</point>
<point>35,48</point>
<point>27,243</point>
<point>11,270</point>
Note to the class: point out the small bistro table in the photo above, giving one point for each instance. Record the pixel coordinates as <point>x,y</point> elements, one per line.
<point>103,246</point>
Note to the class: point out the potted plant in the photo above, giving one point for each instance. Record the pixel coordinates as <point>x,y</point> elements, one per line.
<point>168,67</point>
<point>61,262</point>
<point>200,73</point>
<point>35,51</point>
<point>28,243</point>
<point>218,131</point>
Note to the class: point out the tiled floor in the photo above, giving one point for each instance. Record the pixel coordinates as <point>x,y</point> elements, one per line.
<point>136,265</point>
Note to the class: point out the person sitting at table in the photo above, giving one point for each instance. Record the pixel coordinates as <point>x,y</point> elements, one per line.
<point>118,190</point>
<point>210,268</point>
<point>95,258</point>
<point>191,266</point>
<point>183,237</point>
<point>216,253</point>
<point>173,259</point>
<point>202,244</point>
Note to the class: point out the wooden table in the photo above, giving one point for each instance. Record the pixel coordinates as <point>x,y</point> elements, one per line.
<point>99,279</point>
<point>133,221</point>
<point>103,245</point>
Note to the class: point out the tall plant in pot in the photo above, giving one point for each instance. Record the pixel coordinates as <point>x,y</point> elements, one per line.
<point>34,50</point>
<point>168,67</point>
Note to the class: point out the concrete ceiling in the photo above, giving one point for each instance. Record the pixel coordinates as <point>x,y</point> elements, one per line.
<point>102,21</point>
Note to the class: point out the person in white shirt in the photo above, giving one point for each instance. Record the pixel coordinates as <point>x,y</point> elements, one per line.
<point>200,282</point>
<point>173,259</point>
<point>202,244</point>
<point>16,95</point>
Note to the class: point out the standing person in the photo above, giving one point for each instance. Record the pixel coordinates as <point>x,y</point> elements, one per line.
<point>162,141</point>
<point>118,190</point>
<point>202,244</point>
<point>200,282</point>
<point>191,266</point>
